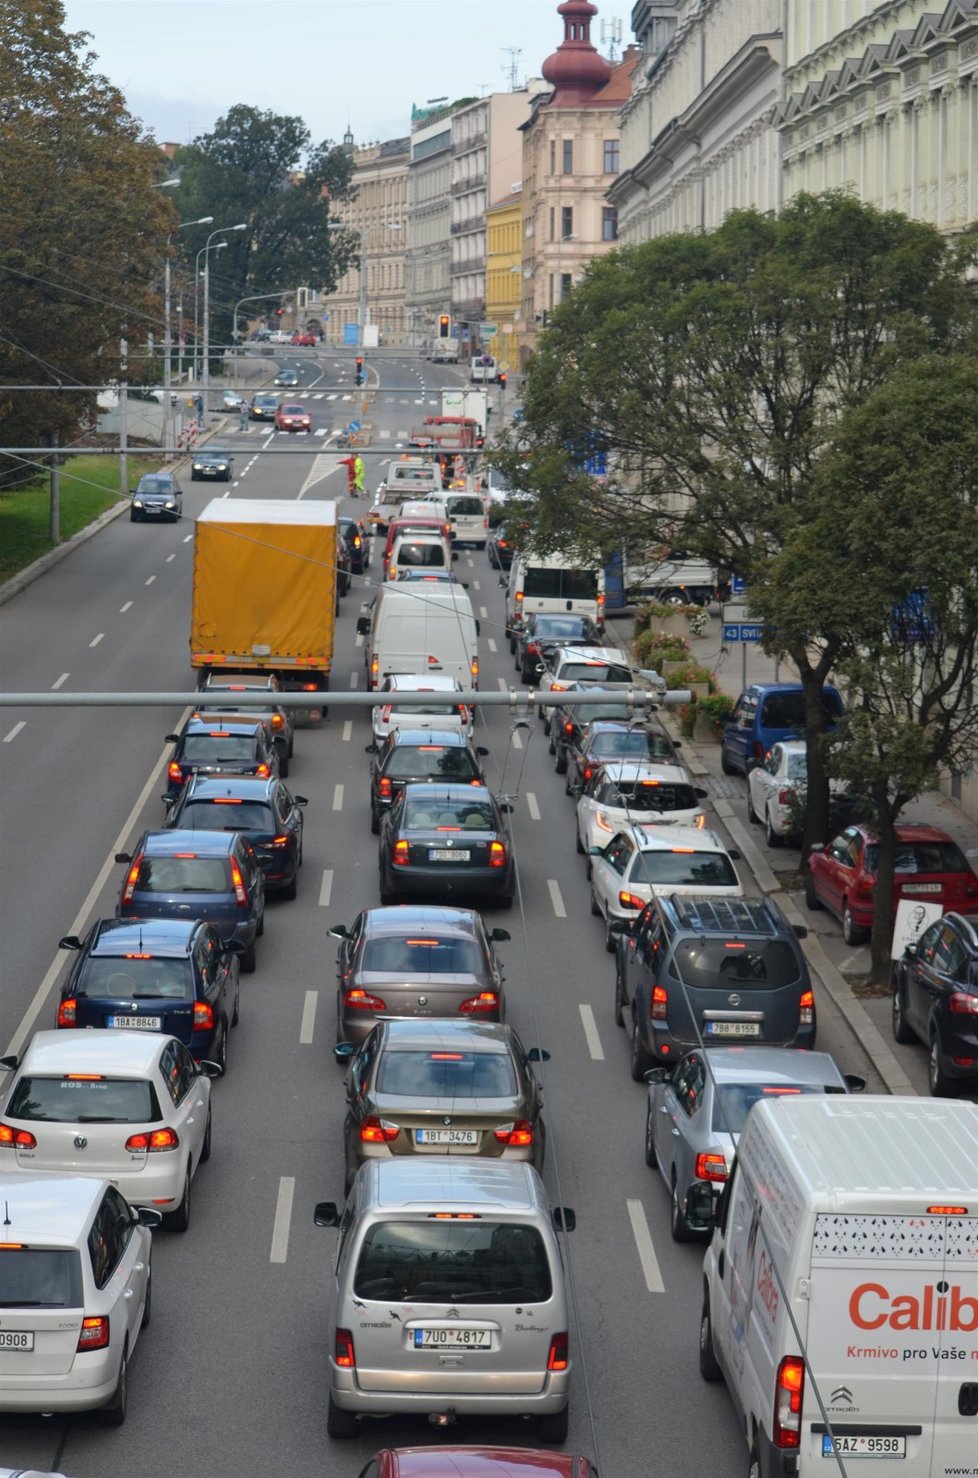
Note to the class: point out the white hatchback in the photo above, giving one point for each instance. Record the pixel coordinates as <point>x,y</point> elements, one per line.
<point>637,865</point>
<point>130,1105</point>
<point>441,713</point>
<point>632,794</point>
<point>75,1289</point>
<point>776,791</point>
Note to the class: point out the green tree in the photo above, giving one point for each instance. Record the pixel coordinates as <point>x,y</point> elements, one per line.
<point>716,369</point>
<point>82,229</point>
<point>259,168</point>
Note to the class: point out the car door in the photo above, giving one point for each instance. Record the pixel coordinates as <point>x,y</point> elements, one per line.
<point>633,950</point>
<point>945,974</point>
<point>737,734</point>
<point>493,968</point>
<point>357,1086</point>
<point>587,805</point>
<point>118,1266</point>
<point>211,972</point>
<point>190,1092</point>
<point>762,782</point>
<point>671,1107</point>
<point>832,870</point>
<point>252,875</point>
<point>919,977</point>
<point>608,870</point>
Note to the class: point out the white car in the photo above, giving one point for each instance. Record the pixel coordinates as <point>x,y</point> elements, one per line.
<point>637,865</point>
<point>130,1105</point>
<point>638,795</point>
<point>776,790</point>
<point>436,715</point>
<point>75,1289</point>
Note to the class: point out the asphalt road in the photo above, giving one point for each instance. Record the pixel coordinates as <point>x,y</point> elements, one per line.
<point>230,1377</point>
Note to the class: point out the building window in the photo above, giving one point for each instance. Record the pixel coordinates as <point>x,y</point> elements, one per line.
<point>566,221</point>
<point>565,285</point>
<point>609,224</point>
<point>553,156</point>
<point>551,223</point>
<point>612,155</point>
<point>567,166</point>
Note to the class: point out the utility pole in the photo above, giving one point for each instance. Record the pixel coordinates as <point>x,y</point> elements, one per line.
<point>55,524</point>
<point>123,427</point>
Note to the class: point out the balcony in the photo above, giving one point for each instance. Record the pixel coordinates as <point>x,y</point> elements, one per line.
<point>473,223</point>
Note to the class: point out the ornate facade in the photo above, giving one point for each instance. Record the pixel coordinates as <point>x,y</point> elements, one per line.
<point>378,213</point>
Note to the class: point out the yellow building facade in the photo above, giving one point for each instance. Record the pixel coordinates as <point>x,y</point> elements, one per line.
<point>504,276</point>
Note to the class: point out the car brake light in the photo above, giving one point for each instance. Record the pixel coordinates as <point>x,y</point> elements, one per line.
<point>963,1004</point>
<point>68,1012</point>
<point>806,1011</point>
<point>154,1139</point>
<point>378,1131</point>
<point>519,597</point>
<point>518,1134</point>
<point>786,796</point>
<point>710,1167</point>
<point>497,854</point>
<point>132,878</point>
<point>484,1004</point>
<point>533,647</point>
<point>278,722</point>
<point>239,887</point>
<point>659,1005</point>
<point>308,688</point>
<point>864,888</point>
<point>402,853</point>
<point>384,788</point>
<point>203,1016</point>
<point>94,1333</point>
<point>263,771</point>
<point>343,1349</point>
<point>385,713</point>
<point>174,772</point>
<point>630,900</point>
<point>787,1401</point>
<point>568,727</point>
<point>558,1358</point>
<point>374,670</point>
<point>357,541</point>
<point>601,600</point>
<point>16,1139</point>
<point>362,1000</point>
<point>279,842</point>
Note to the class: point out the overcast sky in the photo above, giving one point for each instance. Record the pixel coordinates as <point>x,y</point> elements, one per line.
<point>183,63</point>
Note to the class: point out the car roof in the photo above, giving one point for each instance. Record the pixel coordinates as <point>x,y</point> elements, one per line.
<point>420,919</point>
<point>619,771</point>
<point>617,655</point>
<point>481,1462</point>
<point>443,1183</point>
<point>416,682</point>
<point>243,787</point>
<point>125,1054</point>
<point>451,738</point>
<point>906,832</point>
<point>668,838</point>
<point>50,1209</point>
<point>774,1064</point>
<point>694,913</point>
<point>117,937</point>
<point>198,843</point>
<point>448,1034</point>
<point>436,790</point>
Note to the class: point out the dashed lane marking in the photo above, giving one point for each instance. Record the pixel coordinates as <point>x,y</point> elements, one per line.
<point>150,580</point>
<point>188,538</point>
<point>125,608</point>
<point>170,558</point>
<point>491,643</point>
<point>483,611</point>
<point>283,1219</point>
<point>308,1026</point>
<point>96,639</point>
<point>9,738</point>
<point>517,739</point>
<point>591,1033</point>
<point>556,898</point>
<point>348,731</point>
<point>337,797</point>
<point>534,809</point>
<point>646,1251</point>
<point>326,887</point>
<point>63,678</point>
<point>354,679</point>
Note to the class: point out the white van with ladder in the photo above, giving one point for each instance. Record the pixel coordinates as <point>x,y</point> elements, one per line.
<point>840,1288</point>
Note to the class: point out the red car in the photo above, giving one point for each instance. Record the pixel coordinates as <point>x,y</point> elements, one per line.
<point>930,866</point>
<point>478,1462</point>
<point>292,418</point>
<point>308,341</point>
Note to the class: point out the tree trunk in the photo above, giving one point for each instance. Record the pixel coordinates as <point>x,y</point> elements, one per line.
<point>882,935</point>
<point>817,785</point>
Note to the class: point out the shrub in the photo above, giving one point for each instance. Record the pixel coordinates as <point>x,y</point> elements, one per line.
<point>717,709</point>
<point>661,646</point>
<point>691,672</point>
<point>652,611</point>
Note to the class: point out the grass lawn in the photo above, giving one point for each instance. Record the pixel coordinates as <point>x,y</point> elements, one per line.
<point>89,485</point>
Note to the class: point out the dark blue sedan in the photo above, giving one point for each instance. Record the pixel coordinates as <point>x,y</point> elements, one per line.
<point>265,811</point>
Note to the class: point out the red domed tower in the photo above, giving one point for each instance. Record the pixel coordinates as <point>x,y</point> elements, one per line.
<point>576,70</point>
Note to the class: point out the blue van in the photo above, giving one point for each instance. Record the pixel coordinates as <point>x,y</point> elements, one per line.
<point>764,714</point>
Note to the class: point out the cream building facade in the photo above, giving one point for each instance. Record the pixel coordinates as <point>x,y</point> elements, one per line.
<point>378,214</point>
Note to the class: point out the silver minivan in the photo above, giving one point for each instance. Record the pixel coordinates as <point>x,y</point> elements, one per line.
<point>450,1296</point>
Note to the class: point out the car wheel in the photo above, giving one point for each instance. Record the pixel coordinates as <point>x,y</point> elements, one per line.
<point>752,815</point>
<point>650,1158</point>
<point>678,1225</point>
<point>547,724</point>
<point>512,644</point>
<point>772,837</point>
<point>237,1003</point>
<point>610,943</point>
<point>594,906</point>
<point>553,1428</point>
<point>374,822</point>
<point>283,767</point>
<point>560,762</point>
<point>811,897</point>
<point>222,1057</point>
<point>552,746</point>
<point>248,960</point>
<point>851,932</point>
<point>941,1086</point>
<point>179,1220</point>
<point>579,844</point>
<point>114,1414</point>
<point>709,1366</point>
<point>725,765</point>
<point>148,1301</point>
<point>901,1031</point>
<point>339,1423</point>
<point>205,1149</point>
<point>640,1060</point>
<point>620,1003</point>
<point>754,1461</point>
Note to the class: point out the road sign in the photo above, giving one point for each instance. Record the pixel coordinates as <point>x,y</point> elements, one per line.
<point>487,329</point>
<point>743,631</point>
<point>351,333</point>
<point>738,585</point>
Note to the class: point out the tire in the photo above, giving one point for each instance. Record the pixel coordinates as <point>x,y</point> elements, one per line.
<point>902,1032</point>
<point>851,932</point>
<point>114,1415</point>
<point>339,1423</point>
<point>553,1428</point>
<point>552,746</point>
<point>678,1225</point>
<point>650,1158</point>
<point>248,960</point>
<point>512,645</point>
<point>709,1365</point>
<point>179,1220</point>
<point>594,906</point>
<point>772,837</point>
<point>619,1006</point>
<point>725,764</point>
<point>205,1149</point>
<point>260,929</point>
<point>579,844</point>
<point>222,1059</point>
<point>133,517</point>
<point>940,1085</point>
<point>754,1461</point>
<point>291,888</point>
<point>610,943</point>
<point>812,900</point>
<point>752,815</point>
<point>148,1303</point>
<point>374,822</point>
<point>237,1005</point>
<point>560,760</point>
<point>640,1061</point>
<point>283,767</point>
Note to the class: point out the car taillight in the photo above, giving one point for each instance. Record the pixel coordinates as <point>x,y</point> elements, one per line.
<point>630,900</point>
<point>68,1012</point>
<point>519,597</point>
<point>517,1134</point>
<point>700,821</point>
<point>806,1008</point>
<point>94,1333</point>
<point>787,1401</point>
<point>600,616</point>
<point>16,1139</point>
<point>864,888</point>
<point>402,853</point>
<point>962,1004</point>
<point>600,819</point>
<point>786,796</point>
<point>559,1355</point>
<point>484,1004</point>
<point>374,670</point>
<point>568,727</point>
<point>357,541</point>
<point>710,1167</point>
<point>533,647</point>
<point>497,854</point>
<point>385,713</point>
<point>239,887</point>
<point>174,772</point>
<point>362,1000</point>
<point>155,1139</point>
<point>278,722</point>
<point>279,842</point>
<point>588,772</point>
<point>132,878</point>
<point>384,789</point>
<point>263,771</point>
<point>343,1349</point>
<point>659,1005</point>
<point>203,1016</point>
<point>378,1131</point>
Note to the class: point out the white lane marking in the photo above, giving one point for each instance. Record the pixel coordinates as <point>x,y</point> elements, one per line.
<point>337,797</point>
<point>476,585</point>
<point>354,679</point>
<point>326,887</point>
<point>646,1251</point>
<point>81,920</point>
<point>150,580</point>
<point>8,738</point>
<point>591,1033</point>
<point>503,684</point>
<point>534,809</point>
<point>96,639</point>
<point>226,493</point>
<point>63,678</point>
<point>556,898</point>
<point>308,1018</point>
<point>125,608</point>
<point>188,538</point>
<point>517,739</point>
<point>283,1219</point>
<point>319,396</point>
<point>491,643</point>
<point>170,558</point>
<point>483,612</point>
<point>470,561</point>
<point>359,640</point>
<point>348,731</point>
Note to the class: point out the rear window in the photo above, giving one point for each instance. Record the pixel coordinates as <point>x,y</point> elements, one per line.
<point>70,1101</point>
<point>421,555</point>
<point>183,875</point>
<point>652,795</point>
<point>761,964</point>
<point>787,710</point>
<point>920,857</point>
<point>105,977</point>
<point>549,584</point>
<point>594,672</point>
<point>636,744</point>
<point>435,761</point>
<point>209,749</point>
<point>683,869</point>
<point>40,1277</point>
<point>227,815</point>
<point>422,814</point>
<point>430,710</point>
<point>422,956</point>
<point>554,627</point>
<point>446,1075</point>
<point>734,1101</point>
<point>465,507</point>
<point>472,1261</point>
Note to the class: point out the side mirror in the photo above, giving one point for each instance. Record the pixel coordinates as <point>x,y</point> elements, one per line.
<point>148,1216</point>
<point>233,947</point>
<point>169,801</point>
<point>855,1083</point>
<point>123,857</point>
<point>454,555</point>
<point>171,738</point>
<point>732,852</point>
<point>506,806</point>
<point>338,931</point>
<point>538,1054</point>
<point>210,1069</point>
<point>702,1200</point>
<point>500,936</point>
<point>69,941</point>
<point>911,949</point>
<point>619,928</point>
<point>565,1220</point>
<point>801,931</point>
<point>363,626</point>
<point>482,752</point>
<point>678,744</point>
<point>658,1075</point>
<point>700,795</point>
<point>540,667</point>
<point>370,748</point>
<point>300,800</point>
<point>326,1214</point>
<point>343,1051</point>
<point>11,1063</point>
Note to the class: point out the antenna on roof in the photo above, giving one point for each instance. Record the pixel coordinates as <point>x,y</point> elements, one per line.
<point>611,33</point>
<point>512,70</point>
<point>6,1214</point>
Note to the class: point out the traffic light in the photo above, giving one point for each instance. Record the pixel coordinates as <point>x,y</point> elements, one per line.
<point>279,312</point>
<point>359,377</point>
<point>444,326</point>
<point>502,379</point>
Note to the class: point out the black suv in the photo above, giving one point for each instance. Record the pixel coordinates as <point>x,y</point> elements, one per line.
<point>434,755</point>
<point>692,970</point>
<point>935,998</point>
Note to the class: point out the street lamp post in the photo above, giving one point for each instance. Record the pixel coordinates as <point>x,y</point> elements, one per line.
<point>198,279</point>
<point>241,226</point>
<point>256,298</point>
<point>168,335</point>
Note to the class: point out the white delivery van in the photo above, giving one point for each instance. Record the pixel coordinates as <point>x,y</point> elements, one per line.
<point>423,629</point>
<point>483,369</point>
<point>469,518</point>
<point>552,582</point>
<point>415,478</point>
<point>848,1233</point>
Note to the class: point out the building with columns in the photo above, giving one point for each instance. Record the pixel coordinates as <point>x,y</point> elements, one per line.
<point>378,215</point>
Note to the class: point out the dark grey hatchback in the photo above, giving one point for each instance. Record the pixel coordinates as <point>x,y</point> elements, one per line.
<point>197,875</point>
<point>157,496</point>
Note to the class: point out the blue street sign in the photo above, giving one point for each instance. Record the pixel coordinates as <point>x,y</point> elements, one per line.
<point>910,621</point>
<point>738,585</point>
<point>351,333</point>
<point>743,631</point>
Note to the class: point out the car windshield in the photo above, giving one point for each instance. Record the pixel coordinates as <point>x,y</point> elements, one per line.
<point>446,1074</point>
<point>589,713</point>
<point>425,956</point>
<point>209,749</point>
<point>631,743</point>
<point>656,796</point>
<point>40,1277</point>
<point>292,410</point>
<point>499,482</point>
<point>465,506</point>
<point>420,555</point>
<point>725,964</point>
<point>598,672</point>
<point>551,584</point>
<point>683,867</point>
<point>106,976</point>
<point>419,762</point>
<point>422,813</point>
<point>448,1262</point>
<point>734,1101</point>
<point>920,857</point>
<point>183,875</point>
<point>69,1100</point>
<point>227,815</point>
<point>155,485</point>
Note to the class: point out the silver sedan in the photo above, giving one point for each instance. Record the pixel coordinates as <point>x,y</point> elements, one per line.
<point>698,1107</point>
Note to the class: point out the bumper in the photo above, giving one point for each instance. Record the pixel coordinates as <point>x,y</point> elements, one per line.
<point>90,1383</point>
<point>667,1046</point>
<point>156,1185</point>
<point>348,1395</point>
<point>434,882</point>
